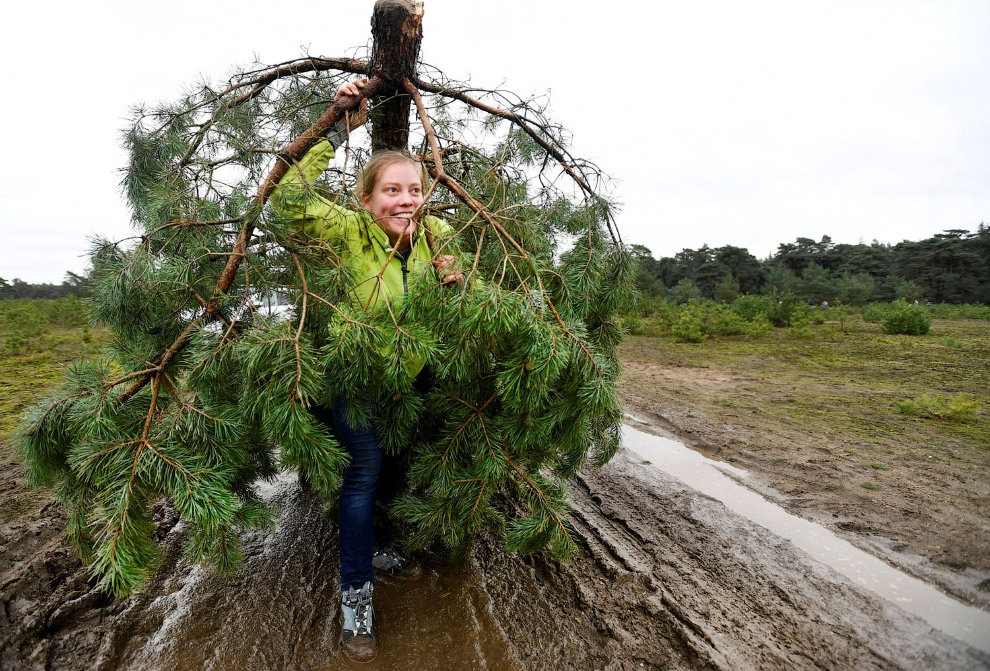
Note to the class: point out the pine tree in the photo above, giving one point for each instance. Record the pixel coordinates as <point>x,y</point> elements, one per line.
<point>201,392</point>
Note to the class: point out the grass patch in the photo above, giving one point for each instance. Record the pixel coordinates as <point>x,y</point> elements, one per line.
<point>879,466</point>
<point>950,342</point>
<point>959,408</point>
<point>872,486</point>
<point>38,338</point>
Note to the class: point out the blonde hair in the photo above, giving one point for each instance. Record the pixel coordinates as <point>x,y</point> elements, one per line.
<point>373,169</point>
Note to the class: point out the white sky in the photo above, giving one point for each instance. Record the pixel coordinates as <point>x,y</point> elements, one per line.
<point>723,122</point>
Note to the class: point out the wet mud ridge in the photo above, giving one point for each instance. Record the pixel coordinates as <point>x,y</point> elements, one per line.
<point>666,578</point>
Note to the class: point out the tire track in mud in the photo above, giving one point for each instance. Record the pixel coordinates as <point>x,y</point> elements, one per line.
<point>762,602</point>
<point>612,539</point>
<point>664,578</point>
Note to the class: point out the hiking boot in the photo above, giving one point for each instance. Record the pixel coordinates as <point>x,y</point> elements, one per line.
<point>390,562</point>
<point>357,638</point>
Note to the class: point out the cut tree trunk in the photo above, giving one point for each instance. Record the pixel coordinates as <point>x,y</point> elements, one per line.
<point>396,30</point>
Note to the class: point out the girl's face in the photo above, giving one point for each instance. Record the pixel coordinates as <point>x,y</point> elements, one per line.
<point>396,195</point>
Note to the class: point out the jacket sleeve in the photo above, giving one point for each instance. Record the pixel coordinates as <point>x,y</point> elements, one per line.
<point>444,234</point>
<point>307,212</point>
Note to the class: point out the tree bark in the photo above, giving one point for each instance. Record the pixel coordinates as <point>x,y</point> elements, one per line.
<point>396,30</point>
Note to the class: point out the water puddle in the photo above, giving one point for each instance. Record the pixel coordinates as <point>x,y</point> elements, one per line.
<point>710,477</point>
<point>281,612</point>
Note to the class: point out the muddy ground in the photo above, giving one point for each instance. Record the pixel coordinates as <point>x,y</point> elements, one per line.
<point>665,578</point>
<point>817,442</point>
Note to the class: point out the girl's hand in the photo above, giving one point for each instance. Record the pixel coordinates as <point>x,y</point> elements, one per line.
<point>445,269</point>
<point>353,89</point>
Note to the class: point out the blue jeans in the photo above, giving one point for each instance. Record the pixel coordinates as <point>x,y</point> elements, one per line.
<point>371,474</point>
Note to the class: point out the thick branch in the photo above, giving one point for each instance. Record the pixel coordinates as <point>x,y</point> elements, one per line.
<point>286,158</point>
<point>553,151</point>
<point>258,84</point>
<point>550,149</point>
<point>354,65</point>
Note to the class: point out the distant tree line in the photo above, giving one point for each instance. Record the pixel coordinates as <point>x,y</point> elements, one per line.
<point>72,285</point>
<point>949,267</point>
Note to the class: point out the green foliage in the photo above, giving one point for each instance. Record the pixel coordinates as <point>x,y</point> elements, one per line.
<point>784,308</point>
<point>960,408</point>
<point>800,325</point>
<point>759,327</point>
<point>724,322</point>
<point>781,281</point>
<point>647,272</point>
<point>948,267</point>
<point>874,313</point>
<point>816,284</point>
<point>696,321</point>
<point>855,289</point>
<point>26,325</point>
<point>751,307</point>
<point>195,405</point>
<point>684,291</point>
<point>961,311</point>
<point>74,285</point>
<point>727,289</point>
<point>905,319</point>
<point>843,316</point>
<point>688,328</point>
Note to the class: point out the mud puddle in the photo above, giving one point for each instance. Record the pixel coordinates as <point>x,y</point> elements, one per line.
<point>718,480</point>
<point>281,611</point>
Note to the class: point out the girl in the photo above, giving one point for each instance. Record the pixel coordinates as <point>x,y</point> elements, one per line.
<point>383,243</point>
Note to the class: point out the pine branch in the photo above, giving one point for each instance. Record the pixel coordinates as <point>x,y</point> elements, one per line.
<point>562,157</point>
<point>438,173</point>
<point>289,156</point>
<point>258,85</point>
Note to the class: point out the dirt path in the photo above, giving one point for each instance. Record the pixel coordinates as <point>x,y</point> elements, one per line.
<point>666,578</point>
<point>814,441</point>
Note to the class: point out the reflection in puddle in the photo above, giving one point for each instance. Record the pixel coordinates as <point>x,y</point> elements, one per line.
<point>914,596</point>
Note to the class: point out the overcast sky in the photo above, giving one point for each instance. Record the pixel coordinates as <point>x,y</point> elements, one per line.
<point>723,122</point>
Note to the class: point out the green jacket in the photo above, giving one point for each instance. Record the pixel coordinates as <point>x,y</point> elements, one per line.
<point>367,246</point>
